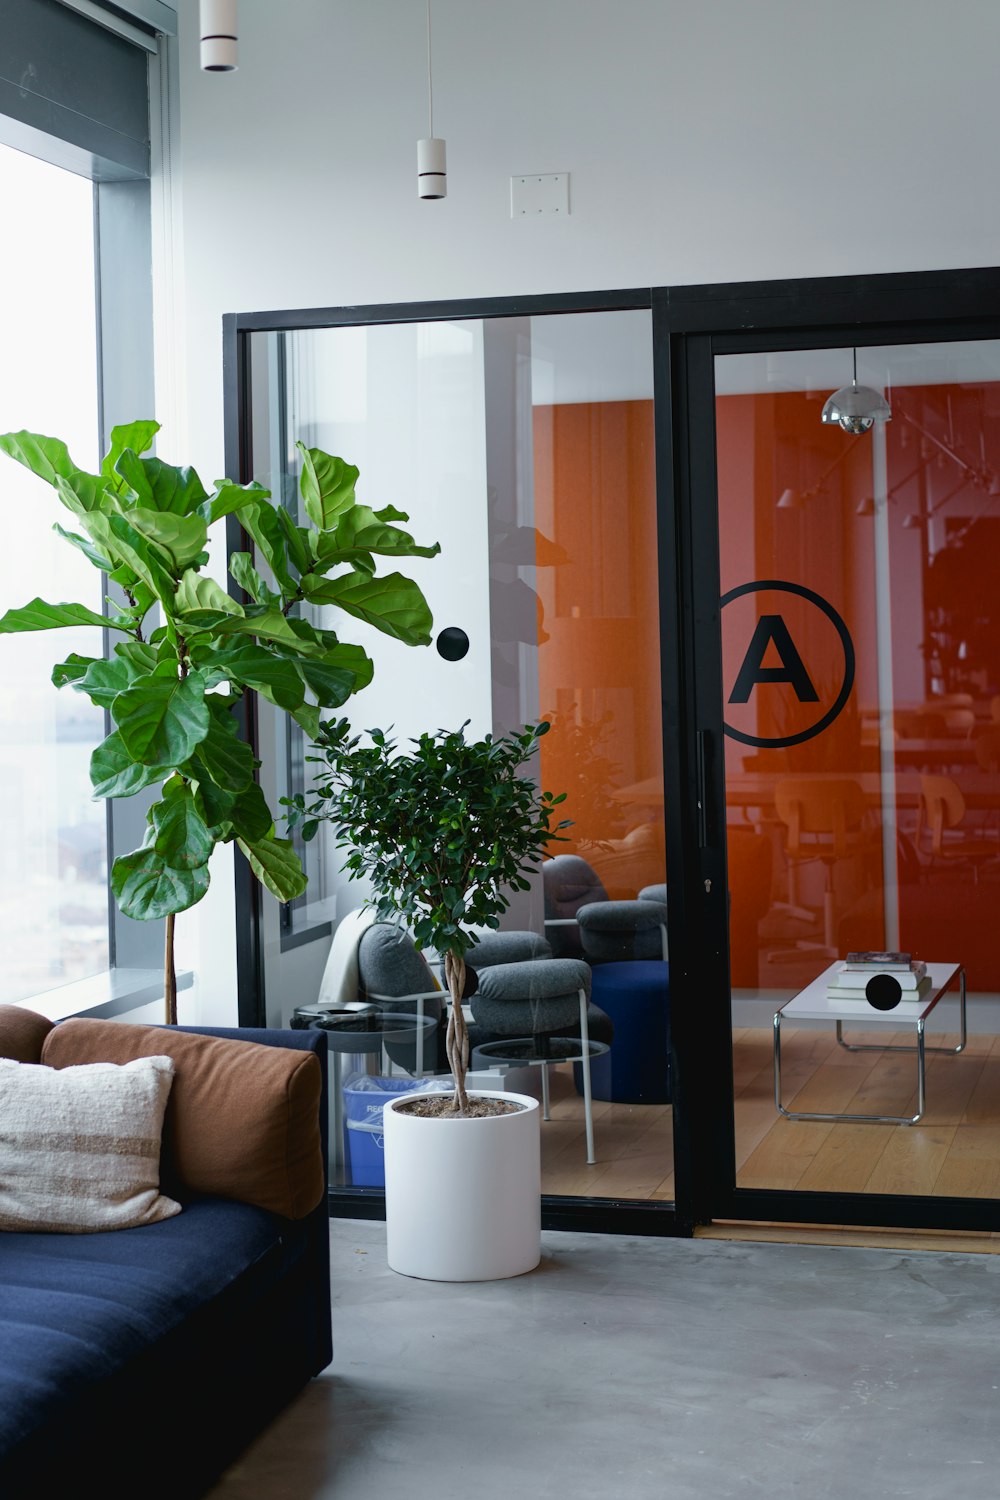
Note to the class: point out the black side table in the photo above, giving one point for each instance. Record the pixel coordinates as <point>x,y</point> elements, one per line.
<point>360,1029</point>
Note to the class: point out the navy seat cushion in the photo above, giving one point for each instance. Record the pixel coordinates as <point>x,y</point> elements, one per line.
<point>77,1309</point>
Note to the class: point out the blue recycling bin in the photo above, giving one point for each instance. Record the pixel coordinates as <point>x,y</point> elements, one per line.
<point>636,1069</point>
<point>365,1096</point>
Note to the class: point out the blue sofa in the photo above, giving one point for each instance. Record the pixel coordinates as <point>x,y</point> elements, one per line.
<point>141,1362</point>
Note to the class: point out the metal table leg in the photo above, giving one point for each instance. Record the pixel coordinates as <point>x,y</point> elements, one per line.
<point>898,1047</point>
<point>921,1051</point>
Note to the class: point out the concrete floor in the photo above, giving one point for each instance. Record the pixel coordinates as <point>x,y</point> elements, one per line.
<point>643,1368</point>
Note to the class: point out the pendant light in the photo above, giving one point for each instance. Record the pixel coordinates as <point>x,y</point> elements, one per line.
<point>218,36</point>
<point>855,407</point>
<point>432,167</point>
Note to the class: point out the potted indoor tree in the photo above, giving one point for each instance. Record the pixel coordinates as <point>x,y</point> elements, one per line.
<point>444,833</point>
<point>186,650</point>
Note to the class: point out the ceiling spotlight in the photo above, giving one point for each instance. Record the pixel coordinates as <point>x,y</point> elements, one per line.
<point>912,521</point>
<point>855,407</point>
<point>789,500</point>
<point>865,507</point>
<point>218,36</point>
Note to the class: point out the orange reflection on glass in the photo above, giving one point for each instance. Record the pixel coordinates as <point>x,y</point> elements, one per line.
<point>598,663</point>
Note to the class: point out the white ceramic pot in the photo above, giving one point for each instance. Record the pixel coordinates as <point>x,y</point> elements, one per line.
<point>463,1196</point>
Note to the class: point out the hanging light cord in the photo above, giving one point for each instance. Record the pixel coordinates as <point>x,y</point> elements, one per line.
<point>430,83</point>
<point>855,351</point>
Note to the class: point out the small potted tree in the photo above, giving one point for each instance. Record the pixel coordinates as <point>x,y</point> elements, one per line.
<point>444,833</point>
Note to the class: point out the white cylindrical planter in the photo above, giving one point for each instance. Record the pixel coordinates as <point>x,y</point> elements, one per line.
<point>219,43</point>
<point>463,1196</point>
<point>432,168</point>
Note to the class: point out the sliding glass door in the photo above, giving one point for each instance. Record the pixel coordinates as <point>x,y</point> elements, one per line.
<point>854,787</point>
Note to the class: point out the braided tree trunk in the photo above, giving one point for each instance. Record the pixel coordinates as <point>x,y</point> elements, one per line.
<point>457,1039</point>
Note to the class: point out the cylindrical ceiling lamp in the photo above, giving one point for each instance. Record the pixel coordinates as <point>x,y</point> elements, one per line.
<point>432,164</point>
<point>432,168</point>
<point>218,36</point>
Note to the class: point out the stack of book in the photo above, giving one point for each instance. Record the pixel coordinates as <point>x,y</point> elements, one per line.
<point>850,980</point>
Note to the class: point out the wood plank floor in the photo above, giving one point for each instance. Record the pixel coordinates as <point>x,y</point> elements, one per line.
<point>954,1151</point>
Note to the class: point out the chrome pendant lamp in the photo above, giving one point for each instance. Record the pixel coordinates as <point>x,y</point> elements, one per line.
<point>855,407</point>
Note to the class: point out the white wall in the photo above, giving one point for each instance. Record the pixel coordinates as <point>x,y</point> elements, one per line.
<point>718,141</point>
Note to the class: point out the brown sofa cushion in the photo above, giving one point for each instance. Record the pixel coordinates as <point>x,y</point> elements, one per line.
<point>242,1120</point>
<point>22,1033</point>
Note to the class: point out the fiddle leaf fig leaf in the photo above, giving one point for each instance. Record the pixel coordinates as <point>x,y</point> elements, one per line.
<point>82,493</point>
<point>307,717</point>
<point>87,548</point>
<point>147,888</point>
<point>183,537</point>
<point>331,685</point>
<point>246,575</point>
<point>215,803</point>
<point>197,593</point>
<point>72,669</point>
<point>393,604</point>
<point>276,866</point>
<point>41,616</point>
<point>131,480</point>
<point>262,524</point>
<point>105,679</point>
<point>47,457</point>
<point>174,491</point>
<point>230,497</point>
<point>123,543</point>
<point>137,436</point>
<point>222,755</point>
<point>250,816</point>
<point>163,718</point>
<point>327,485</point>
<point>255,667</point>
<point>182,838</point>
<point>114,773</point>
<point>360,532</point>
<point>297,538</point>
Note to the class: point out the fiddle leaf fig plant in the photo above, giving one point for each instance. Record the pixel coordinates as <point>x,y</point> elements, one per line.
<point>444,833</point>
<point>185,650</point>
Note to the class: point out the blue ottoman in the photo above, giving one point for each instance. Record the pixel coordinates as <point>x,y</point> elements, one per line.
<point>636,1070</point>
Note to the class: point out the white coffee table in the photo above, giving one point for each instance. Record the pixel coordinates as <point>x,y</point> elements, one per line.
<point>814,1004</point>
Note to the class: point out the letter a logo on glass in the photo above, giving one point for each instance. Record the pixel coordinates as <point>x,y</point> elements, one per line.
<point>797,652</point>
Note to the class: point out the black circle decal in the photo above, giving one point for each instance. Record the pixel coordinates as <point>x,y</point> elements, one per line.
<point>884,991</point>
<point>452,643</point>
<point>806,692</point>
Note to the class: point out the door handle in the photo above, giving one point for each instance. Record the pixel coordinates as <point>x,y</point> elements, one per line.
<point>701,786</point>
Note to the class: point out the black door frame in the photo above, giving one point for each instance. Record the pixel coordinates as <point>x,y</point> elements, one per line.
<point>619,1216</point>
<point>690,325</point>
<point>701,322</point>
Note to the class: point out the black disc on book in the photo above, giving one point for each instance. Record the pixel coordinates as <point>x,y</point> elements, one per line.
<point>884,991</point>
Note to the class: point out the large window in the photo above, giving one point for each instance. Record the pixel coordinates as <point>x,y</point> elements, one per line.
<point>77,318</point>
<point>53,858</point>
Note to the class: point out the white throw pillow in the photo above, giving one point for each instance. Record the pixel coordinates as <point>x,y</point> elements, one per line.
<point>80,1146</point>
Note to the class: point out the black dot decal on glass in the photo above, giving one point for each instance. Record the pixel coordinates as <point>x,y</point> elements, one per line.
<point>452,643</point>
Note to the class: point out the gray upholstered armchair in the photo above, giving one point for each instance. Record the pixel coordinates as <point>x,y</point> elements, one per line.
<point>581,922</point>
<point>524,1004</point>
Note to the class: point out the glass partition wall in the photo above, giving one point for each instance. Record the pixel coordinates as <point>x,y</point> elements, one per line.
<point>861,663</point>
<point>768,644</point>
<point>524,445</point>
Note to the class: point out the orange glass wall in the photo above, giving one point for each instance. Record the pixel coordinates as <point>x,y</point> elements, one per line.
<point>598,659</point>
